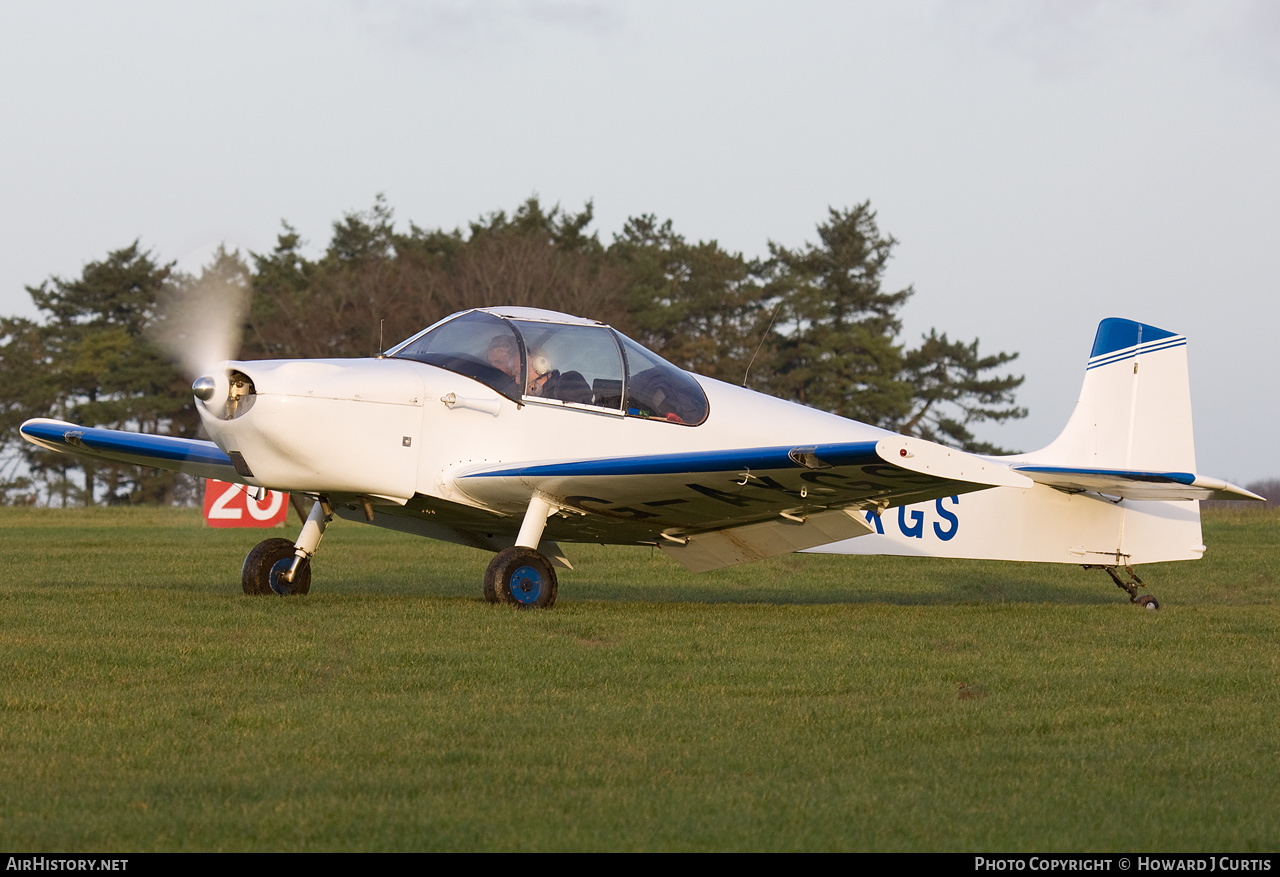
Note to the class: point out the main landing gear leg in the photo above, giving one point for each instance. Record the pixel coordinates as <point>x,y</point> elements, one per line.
<point>278,566</point>
<point>1146,601</point>
<point>521,576</point>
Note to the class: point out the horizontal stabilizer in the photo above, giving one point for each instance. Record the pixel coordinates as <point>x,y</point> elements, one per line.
<point>192,456</point>
<point>1137,485</point>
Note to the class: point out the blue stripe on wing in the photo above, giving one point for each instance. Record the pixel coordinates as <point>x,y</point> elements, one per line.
<point>162,451</point>
<point>759,459</point>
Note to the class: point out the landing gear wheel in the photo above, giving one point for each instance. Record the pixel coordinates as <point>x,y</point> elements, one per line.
<point>265,566</point>
<point>490,584</point>
<point>521,577</point>
<point>1146,601</point>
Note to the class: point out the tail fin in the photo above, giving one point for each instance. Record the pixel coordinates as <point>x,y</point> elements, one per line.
<point>1135,406</point>
<point>1116,487</point>
<point>1130,435</point>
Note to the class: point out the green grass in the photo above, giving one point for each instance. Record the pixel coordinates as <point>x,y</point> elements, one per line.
<point>805,703</point>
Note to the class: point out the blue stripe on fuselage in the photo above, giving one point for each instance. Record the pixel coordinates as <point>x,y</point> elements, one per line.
<point>842,454</point>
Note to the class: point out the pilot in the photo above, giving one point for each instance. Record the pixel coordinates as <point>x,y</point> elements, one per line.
<point>540,378</point>
<point>504,355</point>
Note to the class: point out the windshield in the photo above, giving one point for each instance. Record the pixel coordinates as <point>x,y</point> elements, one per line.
<point>476,344</point>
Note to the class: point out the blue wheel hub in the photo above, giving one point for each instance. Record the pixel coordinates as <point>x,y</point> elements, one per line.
<point>276,576</point>
<point>527,584</point>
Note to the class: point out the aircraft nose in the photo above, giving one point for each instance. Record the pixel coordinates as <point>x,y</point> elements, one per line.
<point>214,391</point>
<point>204,388</point>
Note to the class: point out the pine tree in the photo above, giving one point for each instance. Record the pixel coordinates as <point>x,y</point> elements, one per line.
<point>97,366</point>
<point>836,329</point>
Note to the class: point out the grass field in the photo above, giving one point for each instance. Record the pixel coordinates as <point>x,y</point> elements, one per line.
<point>806,703</point>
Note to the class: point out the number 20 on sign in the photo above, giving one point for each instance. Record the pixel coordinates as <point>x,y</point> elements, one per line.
<point>230,505</point>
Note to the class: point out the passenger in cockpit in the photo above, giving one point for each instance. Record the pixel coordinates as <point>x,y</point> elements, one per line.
<point>541,374</point>
<point>549,383</point>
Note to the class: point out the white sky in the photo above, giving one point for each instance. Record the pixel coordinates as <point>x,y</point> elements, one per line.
<point>1044,165</point>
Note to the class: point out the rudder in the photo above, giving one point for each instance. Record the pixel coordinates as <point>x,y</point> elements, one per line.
<point>1134,410</point>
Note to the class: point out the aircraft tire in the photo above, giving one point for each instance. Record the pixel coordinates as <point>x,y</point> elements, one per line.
<point>273,557</point>
<point>522,578</point>
<point>491,584</point>
<point>1146,601</point>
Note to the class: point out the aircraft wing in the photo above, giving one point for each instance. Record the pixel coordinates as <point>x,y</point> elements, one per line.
<point>192,456</point>
<point>714,508</point>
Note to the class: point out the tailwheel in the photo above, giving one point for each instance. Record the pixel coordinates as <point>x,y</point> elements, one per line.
<point>266,566</point>
<point>1146,601</point>
<point>520,577</point>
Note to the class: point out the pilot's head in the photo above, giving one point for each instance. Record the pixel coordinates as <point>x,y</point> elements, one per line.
<point>504,355</point>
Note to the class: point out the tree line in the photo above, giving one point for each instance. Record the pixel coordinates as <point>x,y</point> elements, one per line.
<point>812,324</point>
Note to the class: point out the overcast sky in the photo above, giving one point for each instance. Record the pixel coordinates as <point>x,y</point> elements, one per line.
<point>1043,165</point>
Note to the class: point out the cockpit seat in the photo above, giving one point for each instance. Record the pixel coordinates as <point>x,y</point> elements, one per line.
<point>568,387</point>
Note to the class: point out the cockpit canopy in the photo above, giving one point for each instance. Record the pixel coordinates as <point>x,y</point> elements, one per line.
<point>531,355</point>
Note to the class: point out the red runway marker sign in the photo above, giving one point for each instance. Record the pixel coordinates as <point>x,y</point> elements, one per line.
<point>230,505</point>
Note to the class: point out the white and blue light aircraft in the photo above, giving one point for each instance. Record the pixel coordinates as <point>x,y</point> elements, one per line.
<point>516,429</point>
